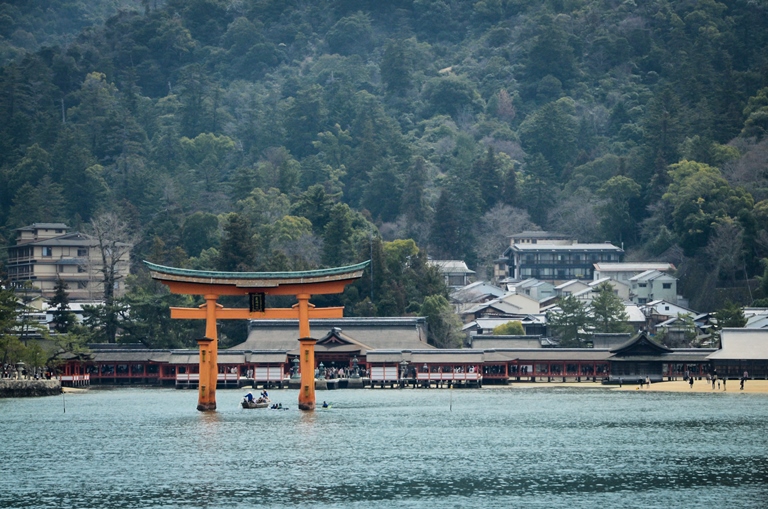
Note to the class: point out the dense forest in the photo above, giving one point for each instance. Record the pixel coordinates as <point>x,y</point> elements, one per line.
<point>294,134</point>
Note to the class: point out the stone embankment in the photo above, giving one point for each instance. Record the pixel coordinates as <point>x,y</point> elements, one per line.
<point>10,388</point>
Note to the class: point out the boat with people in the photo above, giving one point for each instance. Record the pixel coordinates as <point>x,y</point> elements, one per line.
<point>262,401</point>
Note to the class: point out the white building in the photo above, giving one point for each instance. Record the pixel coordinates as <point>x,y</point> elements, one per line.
<point>625,271</point>
<point>653,285</point>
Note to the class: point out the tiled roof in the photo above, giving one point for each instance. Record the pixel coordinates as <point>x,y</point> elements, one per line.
<point>742,344</point>
<point>208,274</point>
<point>567,247</point>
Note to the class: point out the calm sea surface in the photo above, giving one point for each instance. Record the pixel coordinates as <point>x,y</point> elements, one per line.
<point>510,447</point>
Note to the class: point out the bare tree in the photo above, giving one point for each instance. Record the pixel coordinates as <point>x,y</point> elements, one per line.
<point>114,242</point>
<point>493,233</point>
<point>725,248</point>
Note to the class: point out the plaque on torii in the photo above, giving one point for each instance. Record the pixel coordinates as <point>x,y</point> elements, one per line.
<point>257,285</point>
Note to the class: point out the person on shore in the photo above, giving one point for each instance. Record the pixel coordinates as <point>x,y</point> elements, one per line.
<point>741,383</point>
<point>714,380</point>
<point>648,381</point>
<point>620,381</point>
<point>690,381</point>
<point>725,379</point>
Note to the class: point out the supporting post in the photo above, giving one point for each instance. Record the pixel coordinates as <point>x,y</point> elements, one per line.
<point>206,400</point>
<point>307,363</point>
<point>204,382</point>
<point>307,359</point>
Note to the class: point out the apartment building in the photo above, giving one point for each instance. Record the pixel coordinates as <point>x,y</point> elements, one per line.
<point>47,252</point>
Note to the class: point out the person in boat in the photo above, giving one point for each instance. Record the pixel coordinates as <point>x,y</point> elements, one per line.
<point>265,395</point>
<point>249,397</point>
<point>325,405</point>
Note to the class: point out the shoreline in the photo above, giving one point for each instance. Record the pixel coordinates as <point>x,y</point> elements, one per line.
<point>699,386</point>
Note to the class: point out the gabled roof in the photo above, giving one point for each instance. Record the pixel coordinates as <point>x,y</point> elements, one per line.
<point>43,226</point>
<point>567,247</point>
<point>651,275</point>
<point>640,345</point>
<point>742,344</point>
<point>633,266</point>
<point>569,283</point>
<point>374,333</point>
<point>473,292</point>
<point>497,304</point>
<point>451,266</point>
<point>531,234</point>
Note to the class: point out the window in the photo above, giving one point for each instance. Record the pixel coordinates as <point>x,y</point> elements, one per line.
<point>82,285</point>
<point>666,286</point>
<point>82,251</point>
<point>643,285</point>
<point>47,251</point>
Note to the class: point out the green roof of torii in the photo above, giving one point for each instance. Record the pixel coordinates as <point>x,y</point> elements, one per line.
<point>257,276</point>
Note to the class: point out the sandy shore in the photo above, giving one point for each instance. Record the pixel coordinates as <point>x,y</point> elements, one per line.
<point>750,386</point>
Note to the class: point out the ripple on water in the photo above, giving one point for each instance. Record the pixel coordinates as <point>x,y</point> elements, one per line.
<point>409,448</point>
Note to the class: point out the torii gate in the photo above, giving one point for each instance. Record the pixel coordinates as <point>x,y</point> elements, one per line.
<point>257,285</point>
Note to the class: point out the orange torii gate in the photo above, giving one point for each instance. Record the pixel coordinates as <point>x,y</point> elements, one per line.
<point>257,285</point>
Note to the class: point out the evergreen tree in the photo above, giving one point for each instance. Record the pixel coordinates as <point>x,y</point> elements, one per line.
<point>608,311</point>
<point>63,319</point>
<point>237,252</point>
<point>570,322</point>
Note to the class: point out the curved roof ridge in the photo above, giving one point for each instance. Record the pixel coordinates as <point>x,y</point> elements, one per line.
<point>255,275</point>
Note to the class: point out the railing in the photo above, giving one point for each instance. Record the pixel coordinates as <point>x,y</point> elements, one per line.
<point>75,380</point>
<point>428,377</point>
<point>268,374</point>
<point>384,374</point>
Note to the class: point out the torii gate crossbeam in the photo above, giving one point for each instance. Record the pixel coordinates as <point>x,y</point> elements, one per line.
<point>212,284</point>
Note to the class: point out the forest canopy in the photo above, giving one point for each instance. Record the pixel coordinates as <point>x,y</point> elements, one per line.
<point>285,135</point>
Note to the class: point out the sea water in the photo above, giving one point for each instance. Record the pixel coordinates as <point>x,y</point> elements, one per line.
<point>490,447</point>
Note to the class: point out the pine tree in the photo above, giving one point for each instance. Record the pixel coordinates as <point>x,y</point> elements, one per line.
<point>63,319</point>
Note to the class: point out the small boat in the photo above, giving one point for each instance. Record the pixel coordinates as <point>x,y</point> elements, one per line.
<point>256,403</point>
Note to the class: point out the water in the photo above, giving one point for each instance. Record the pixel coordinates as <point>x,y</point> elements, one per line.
<point>506,447</point>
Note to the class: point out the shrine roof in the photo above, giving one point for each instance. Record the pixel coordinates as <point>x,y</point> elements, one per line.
<point>237,278</point>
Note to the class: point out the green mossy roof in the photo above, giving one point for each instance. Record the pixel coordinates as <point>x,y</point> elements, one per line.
<point>256,275</point>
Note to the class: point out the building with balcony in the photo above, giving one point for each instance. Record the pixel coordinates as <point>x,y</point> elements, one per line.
<point>47,252</point>
<point>554,259</point>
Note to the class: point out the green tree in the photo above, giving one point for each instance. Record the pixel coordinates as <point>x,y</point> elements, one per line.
<point>616,218</point>
<point>730,315</point>
<point>338,246</point>
<point>444,326</point>
<point>536,191</point>
<point>396,68</point>
<point>699,196</point>
<point>551,132</point>
<point>200,232</point>
<point>207,156</point>
<point>451,95</point>
<point>63,318</point>
<point>146,316</point>
<point>351,35</point>
<point>511,328</point>
<point>570,322</point>
<point>238,251</point>
<point>608,313</point>
<point>315,204</point>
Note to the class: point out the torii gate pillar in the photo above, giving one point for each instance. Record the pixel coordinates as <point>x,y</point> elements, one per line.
<point>257,284</point>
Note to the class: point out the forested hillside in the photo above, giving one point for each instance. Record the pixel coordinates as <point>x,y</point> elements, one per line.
<point>284,135</point>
